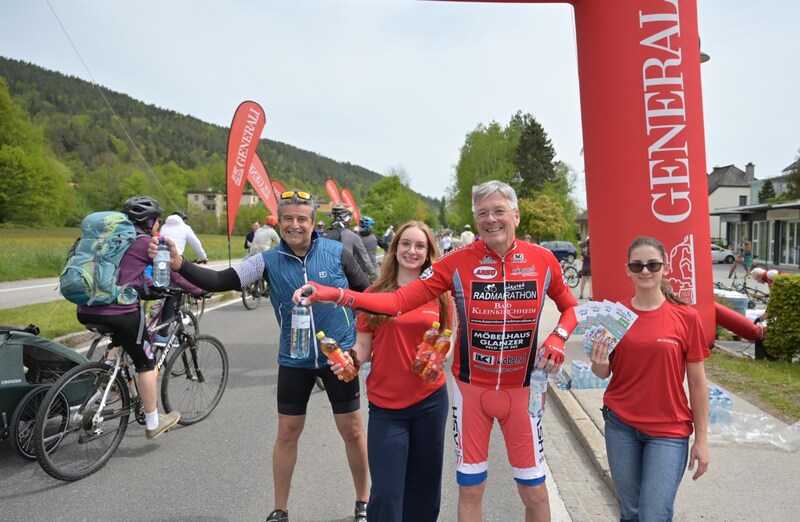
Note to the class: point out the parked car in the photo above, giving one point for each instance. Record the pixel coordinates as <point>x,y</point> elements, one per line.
<point>722,255</point>
<point>561,249</point>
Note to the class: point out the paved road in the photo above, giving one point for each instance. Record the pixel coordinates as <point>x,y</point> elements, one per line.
<point>33,291</point>
<point>220,469</point>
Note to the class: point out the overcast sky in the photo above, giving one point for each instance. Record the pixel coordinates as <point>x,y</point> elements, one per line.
<point>388,83</point>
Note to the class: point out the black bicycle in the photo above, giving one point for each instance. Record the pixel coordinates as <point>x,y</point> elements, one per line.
<point>571,275</point>
<point>252,293</point>
<point>86,412</point>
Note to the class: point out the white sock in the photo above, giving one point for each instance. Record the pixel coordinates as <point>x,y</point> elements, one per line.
<point>151,419</point>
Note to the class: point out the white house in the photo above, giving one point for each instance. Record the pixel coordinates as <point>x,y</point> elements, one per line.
<point>728,186</point>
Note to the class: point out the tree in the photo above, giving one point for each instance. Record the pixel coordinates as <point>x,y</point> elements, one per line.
<point>542,218</point>
<point>534,154</point>
<point>34,186</point>
<point>767,192</point>
<point>390,202</point>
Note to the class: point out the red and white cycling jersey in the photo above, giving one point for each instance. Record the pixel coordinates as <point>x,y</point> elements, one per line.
<point>499,301</point>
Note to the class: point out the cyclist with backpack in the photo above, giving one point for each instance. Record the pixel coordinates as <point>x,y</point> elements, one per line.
<point>124,313</point>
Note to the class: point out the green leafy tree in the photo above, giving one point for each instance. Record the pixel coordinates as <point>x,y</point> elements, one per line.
<point>767,192</point>
<point>34,186</point>
<point>543,218</point>
<point>390,202</point>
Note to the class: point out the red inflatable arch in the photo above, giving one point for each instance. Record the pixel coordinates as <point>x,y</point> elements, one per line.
<point>644,145</point>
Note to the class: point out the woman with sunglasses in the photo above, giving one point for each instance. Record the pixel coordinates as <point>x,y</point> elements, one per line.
<point>407,416</point>
<point>648,419</point>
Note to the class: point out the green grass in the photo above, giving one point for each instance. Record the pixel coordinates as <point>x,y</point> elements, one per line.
<point>773,386</point>
<point>35,253</point>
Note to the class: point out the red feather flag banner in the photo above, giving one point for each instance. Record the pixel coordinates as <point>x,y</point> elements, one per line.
<point>351,201</point>
<point>333,192</point>
<point>278,188</point>
<point>246,127</point>
<point>258,177</point>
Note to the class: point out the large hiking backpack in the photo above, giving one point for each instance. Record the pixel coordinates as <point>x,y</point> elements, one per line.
<point>90,274</point>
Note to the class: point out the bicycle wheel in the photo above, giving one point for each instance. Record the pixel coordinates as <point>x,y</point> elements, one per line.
<point>571,276</point>
<point>86,438</point>
<point>203,367</point>
<point>251,296</point>
<point>24,419</point>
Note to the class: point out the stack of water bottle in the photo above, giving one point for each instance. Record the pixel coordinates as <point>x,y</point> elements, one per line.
<point>582,376</point>
<point>720,406</point>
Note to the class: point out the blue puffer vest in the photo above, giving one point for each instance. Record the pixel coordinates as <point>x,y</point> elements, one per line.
<point>287,273</point>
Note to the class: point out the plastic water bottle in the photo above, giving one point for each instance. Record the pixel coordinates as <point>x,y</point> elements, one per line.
<point>538,393</point>
<point>161,265</point>
<point>300,347</point>
<point>562,380</point>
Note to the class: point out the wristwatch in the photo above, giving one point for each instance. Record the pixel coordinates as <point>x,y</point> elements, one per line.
<point>561,332</point>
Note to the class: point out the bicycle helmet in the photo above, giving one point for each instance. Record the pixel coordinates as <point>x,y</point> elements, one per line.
<point>271,221</point>
<point>467,227</point>
<point>366,223</point>
<point>142,210</point>
<point>341,213</point>
<point>181,214</point>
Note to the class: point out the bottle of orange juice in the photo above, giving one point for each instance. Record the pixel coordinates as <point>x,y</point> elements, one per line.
<point>424,349</point>
<point>331,348</point>
<point>435,363</point>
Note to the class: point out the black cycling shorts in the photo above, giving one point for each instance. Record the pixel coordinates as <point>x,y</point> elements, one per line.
<point>295,385</point>
<point>128,333</point>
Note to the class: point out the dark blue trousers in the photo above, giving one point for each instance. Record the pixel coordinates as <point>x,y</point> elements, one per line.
<point>406,450</point>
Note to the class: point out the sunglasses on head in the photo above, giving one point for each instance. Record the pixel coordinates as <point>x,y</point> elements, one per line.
<point>289,194</point>
<point>652,266</point>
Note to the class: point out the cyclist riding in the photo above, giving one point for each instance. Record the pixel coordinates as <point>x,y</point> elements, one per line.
<point>265,237</point>
<point>176,227</point>
<point>128,321</point>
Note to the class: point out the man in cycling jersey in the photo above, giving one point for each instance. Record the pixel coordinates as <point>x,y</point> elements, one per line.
<point>127,320</point>
<point>301,256</point>
<point>500,285</point>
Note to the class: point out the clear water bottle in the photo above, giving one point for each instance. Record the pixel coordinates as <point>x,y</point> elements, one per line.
<point>562,380</point>
<point>161,265</point>
<point>301,332</point>
<point>538,393</point>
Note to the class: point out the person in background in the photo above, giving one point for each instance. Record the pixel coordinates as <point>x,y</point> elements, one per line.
<point>500,285</point>
<point>265,237</point>
<point>389,234</point>
<point>351,241</point>
<point>586,268</point>
<point>648,419</point>
<point>447,242</point>
<point>301,256</point>
<point>745,257</point>
<point>248,240</point>
<point>528,239</point>
<point>407,416</point>
<point>320,227</point>
<point>370,241</point>
<point>177,228</point>
<point>467,236</point>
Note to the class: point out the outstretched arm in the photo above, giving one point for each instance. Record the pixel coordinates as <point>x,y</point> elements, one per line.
<point>401,300</point>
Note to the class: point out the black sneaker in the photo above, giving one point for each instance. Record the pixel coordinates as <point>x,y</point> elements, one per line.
<point>360,512</point>
<point>278,515</point>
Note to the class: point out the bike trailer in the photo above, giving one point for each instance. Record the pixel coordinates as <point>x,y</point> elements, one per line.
<point>27,361</point>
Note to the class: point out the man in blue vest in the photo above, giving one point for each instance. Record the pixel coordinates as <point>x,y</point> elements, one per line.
<point>301,256</point>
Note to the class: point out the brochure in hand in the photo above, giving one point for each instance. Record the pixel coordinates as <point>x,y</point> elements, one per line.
<point>603,319</point>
